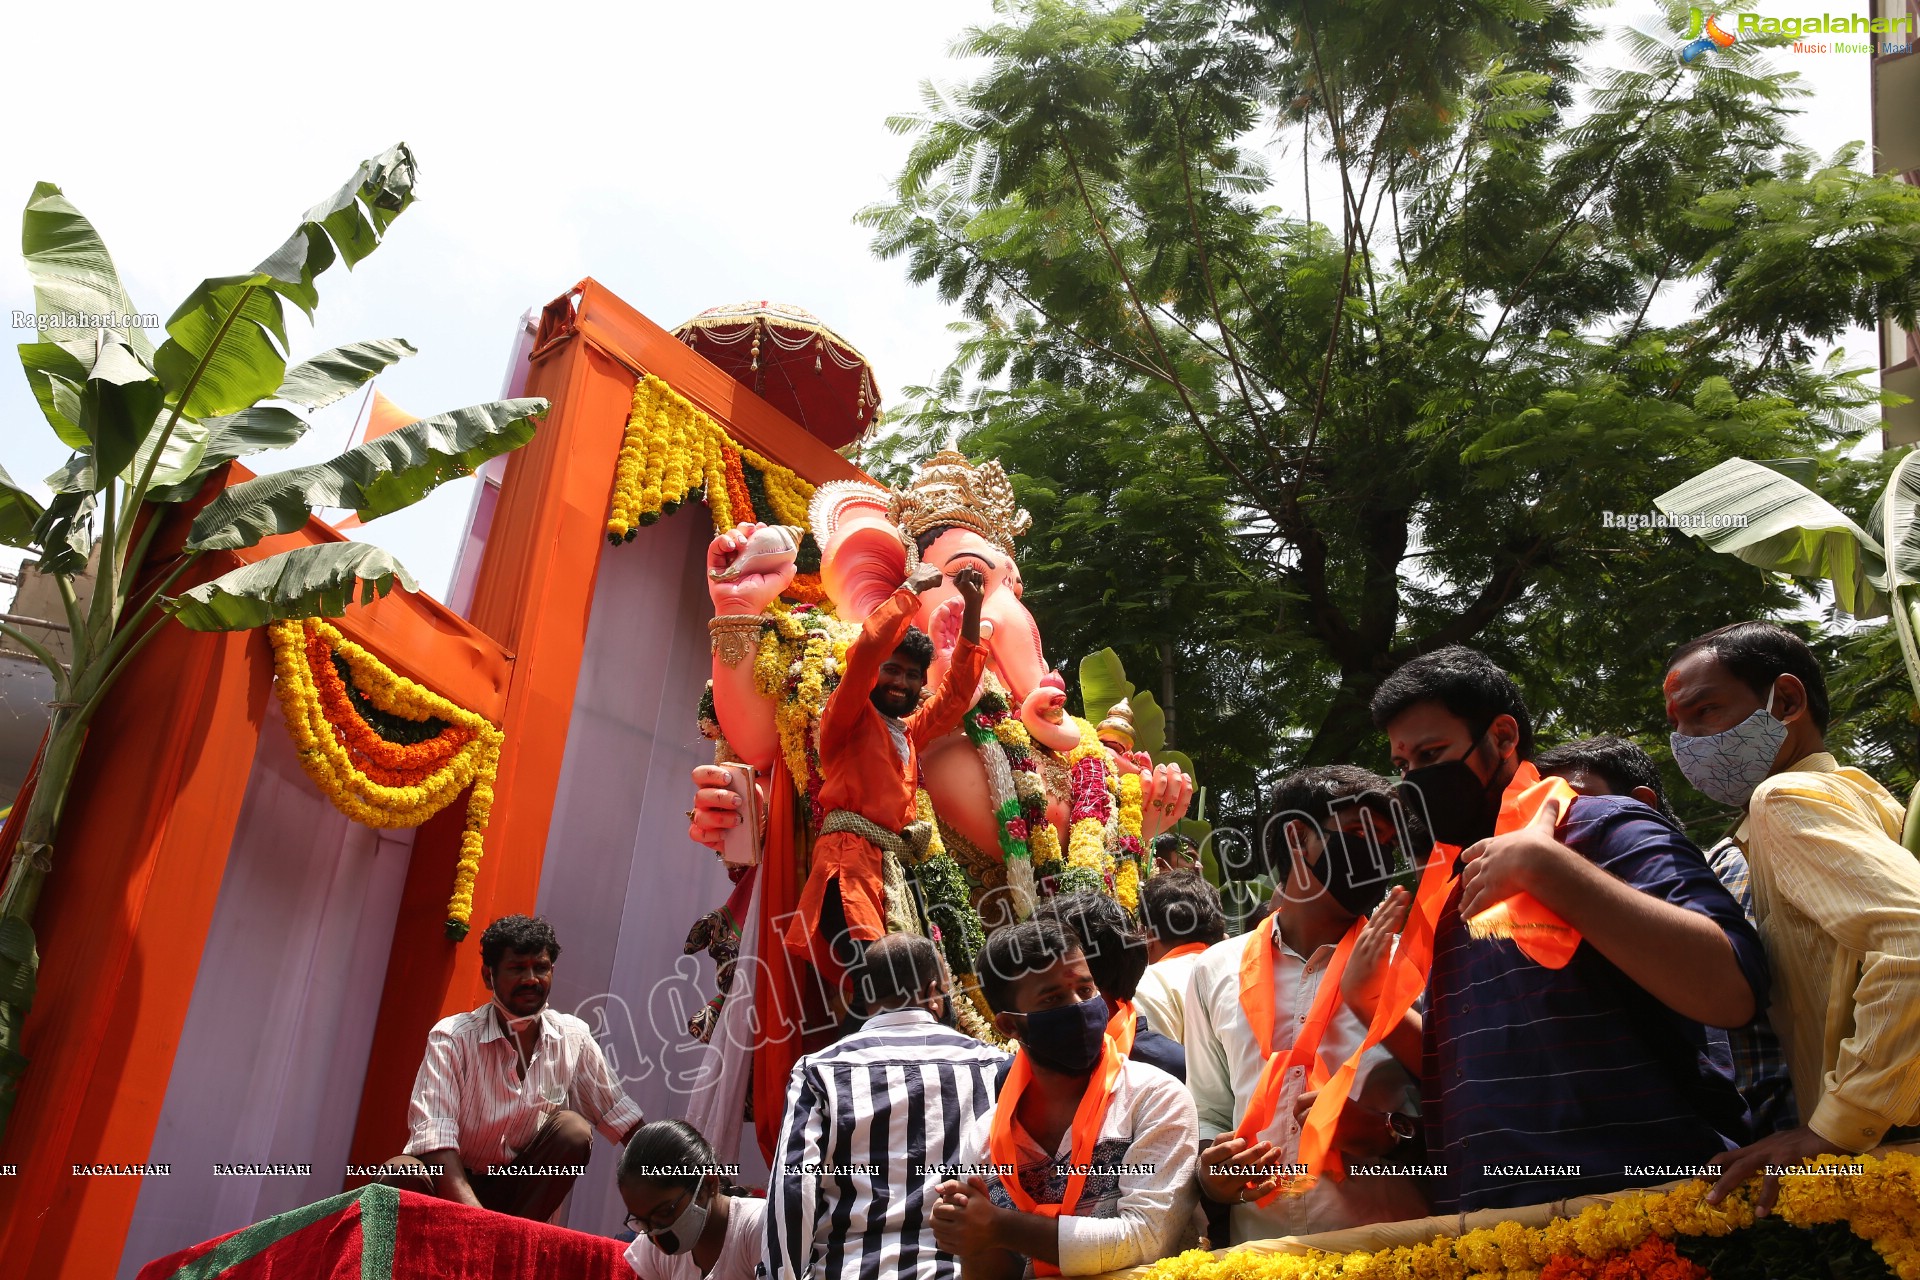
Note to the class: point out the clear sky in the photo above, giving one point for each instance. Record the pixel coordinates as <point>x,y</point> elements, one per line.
<point>685,155</point>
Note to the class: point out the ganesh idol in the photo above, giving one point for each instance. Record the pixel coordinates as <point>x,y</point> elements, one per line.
<point>1023,800</point>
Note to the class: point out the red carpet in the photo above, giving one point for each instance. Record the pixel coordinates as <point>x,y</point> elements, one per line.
<point>376,1233</point>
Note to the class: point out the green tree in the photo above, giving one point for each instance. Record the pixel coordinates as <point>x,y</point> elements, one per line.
<point>1302,449</point>
<point>148,428</point>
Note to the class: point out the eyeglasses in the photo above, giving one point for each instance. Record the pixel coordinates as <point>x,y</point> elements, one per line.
<point>645,1226</point>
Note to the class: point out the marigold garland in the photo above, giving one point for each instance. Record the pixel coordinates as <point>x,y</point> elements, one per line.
<point>369,778</point>
<point>671,450</point>
<point>1881,1205</point>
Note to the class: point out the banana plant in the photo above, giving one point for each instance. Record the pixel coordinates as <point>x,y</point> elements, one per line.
<point>1768,519</point>
<point>147,427</point>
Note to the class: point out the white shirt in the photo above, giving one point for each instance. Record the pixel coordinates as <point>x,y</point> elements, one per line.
<point>1162,995</point>
<point>1147,1209</point>
<point>469,1094</point>
<point>739,1250</point>
<point>1224,1066</point>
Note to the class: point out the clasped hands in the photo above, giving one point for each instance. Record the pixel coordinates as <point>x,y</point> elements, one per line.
<point>966,1221</point>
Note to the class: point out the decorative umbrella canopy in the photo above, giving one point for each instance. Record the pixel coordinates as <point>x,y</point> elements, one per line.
<point>787,357</point>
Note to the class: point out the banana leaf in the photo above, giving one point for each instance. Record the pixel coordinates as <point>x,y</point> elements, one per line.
<point>374,478</point>
<point>330,375</point>
<point>306,582</point>
<point>1149,726</point>
<point>73,274</point>
<point>20,511</point>
<point>226,343</point>
<point>223,440</point>
<point>1768,520</point>
<point>1103,682</point>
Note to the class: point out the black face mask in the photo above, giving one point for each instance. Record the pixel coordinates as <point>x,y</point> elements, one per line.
<point>1349,871</point>
<point>1068,1039</point>
<point>1460,809</point>
<point>947,1016</point>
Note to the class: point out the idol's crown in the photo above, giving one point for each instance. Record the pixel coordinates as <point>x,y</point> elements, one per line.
<point>952,491</point>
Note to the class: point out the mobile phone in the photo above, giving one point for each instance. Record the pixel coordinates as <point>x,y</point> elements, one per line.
<point>741,847</point>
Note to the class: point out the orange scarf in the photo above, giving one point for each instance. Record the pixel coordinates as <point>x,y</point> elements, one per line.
<point>1257,1002</point>
<point>1087,1120</point>
<point>1543,936</point>
<point>1184,949</point>
<point>1120,1027</point>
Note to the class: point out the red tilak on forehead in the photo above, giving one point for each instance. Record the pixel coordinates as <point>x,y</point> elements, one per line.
<point>1671,684</point>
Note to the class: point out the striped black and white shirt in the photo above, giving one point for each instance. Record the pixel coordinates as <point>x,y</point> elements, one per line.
<point>873,1126</point>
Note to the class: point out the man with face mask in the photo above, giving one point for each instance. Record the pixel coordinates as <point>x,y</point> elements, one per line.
<point>1085,1162</point>
<point>872,1124</point>
<point>871,733</point>
<point>508,1095</point>
<point>1264,1009</point>
<point>1584,1065</point>
<point>1836,895</point>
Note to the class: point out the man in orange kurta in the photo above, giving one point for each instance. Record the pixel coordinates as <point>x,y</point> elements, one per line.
<point>871,734</point>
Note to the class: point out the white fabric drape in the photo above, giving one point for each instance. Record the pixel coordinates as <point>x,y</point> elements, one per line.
<point>621,881</point>
<point>274,1048</point>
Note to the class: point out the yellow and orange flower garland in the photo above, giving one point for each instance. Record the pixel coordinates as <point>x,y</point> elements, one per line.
<point>368,777</point>
<point>672,450</point>
<point>1881,1205</point>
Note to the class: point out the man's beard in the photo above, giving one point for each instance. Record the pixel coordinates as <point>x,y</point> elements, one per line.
<point>890,704</point>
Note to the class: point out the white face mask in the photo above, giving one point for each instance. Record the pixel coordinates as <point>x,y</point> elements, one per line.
<point>684,1232</point>
<point>1727,766</point>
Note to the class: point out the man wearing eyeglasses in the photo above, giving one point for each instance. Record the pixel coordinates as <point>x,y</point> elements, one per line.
<point>509,1094</point>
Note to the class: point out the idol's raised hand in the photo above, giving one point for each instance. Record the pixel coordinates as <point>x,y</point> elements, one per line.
<point>749,565</point>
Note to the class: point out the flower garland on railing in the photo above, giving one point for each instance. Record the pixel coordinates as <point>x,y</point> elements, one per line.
<point>342,707</point>
<point>672,450</point>
<point>1880,1205</point>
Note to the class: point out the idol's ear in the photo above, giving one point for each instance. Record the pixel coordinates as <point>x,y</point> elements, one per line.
<point>862,557</point>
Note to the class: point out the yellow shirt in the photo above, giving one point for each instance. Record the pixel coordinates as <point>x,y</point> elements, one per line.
<point>1837,901</point>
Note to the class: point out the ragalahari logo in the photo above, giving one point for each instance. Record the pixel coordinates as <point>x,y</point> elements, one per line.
<point>1704,34</point>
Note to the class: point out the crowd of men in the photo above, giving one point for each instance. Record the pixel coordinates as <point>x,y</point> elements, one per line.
<point>1506,978</point>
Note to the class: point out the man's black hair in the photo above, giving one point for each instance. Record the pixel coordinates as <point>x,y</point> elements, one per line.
<point>1622,763</point>
<point>1759,653</point>
<point>1015,951</point>
<point>918,646</point>
<point>1170,844</point>
<point>528,935</point>
<point>1181,907</point>
<point>1116,953</point>
<point>896,970</point>
<point>670,1153</point>
<point>1465,682</point>
<point>1314,794</point>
